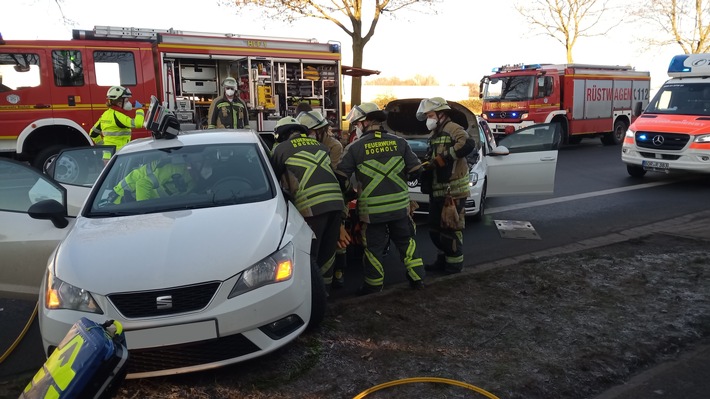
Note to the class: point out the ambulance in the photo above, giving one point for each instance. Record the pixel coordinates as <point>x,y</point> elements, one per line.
<point>673,133</point>
<point>586,100</point>
<point>53,91</point>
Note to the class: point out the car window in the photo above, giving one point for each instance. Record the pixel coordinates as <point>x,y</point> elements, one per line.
<point>23,187</point>
<point>189,177</point>
<point>80,166</point>
<point>541,137</point>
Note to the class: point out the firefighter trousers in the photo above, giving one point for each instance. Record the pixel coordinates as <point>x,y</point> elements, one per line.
<point>326,228</point>
<point>376,237</point>
<point>450,242</point>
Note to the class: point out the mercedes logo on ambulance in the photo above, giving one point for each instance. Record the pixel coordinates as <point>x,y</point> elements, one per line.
<point>658,140</point>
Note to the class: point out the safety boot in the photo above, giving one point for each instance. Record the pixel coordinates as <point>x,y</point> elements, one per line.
<point>438,265</point>
<point>338,279</point>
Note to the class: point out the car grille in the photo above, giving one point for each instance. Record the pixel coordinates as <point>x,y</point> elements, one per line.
<point>186,355</point>
<point>164,302</point>
<point>652,155</point>
<point>661,141</point>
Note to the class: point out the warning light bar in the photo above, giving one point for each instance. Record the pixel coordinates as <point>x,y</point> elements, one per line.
<point>516,67</point>
<point>689,66</point>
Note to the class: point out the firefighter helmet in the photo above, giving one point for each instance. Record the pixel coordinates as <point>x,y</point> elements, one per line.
<point>286,126</point>
<point>431,105</point>
<point>229,82</point>
<point>312,120</point>
<point>366,111</point>
<point>116,92</point>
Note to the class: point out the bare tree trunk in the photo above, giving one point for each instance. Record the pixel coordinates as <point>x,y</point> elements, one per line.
<point>356,88</point>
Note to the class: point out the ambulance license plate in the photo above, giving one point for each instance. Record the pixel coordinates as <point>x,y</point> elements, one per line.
<point>655,165</point>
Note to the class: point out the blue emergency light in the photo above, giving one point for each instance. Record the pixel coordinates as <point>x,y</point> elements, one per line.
<point>677,64</point>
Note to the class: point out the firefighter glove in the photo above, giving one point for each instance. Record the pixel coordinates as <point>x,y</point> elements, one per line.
<point>344,239</point>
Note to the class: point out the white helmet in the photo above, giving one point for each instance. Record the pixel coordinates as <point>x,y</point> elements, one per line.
<point>431,104</point>
<point>312,120</point>
<point>366,110</point>
<point>287,125</point>
<point>116,92</point>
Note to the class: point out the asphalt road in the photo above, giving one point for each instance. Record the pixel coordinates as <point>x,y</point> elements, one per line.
<point>594,196</point>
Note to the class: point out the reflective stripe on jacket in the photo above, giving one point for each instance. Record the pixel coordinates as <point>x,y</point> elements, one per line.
<point>154,180</point>
<point>445,142</point>
<point>114,123</point>
<point>303,165</point>
<point>381,162</point>
<point>227,114</point>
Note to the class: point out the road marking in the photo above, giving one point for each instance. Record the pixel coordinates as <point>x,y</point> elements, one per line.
<point>575,197</point>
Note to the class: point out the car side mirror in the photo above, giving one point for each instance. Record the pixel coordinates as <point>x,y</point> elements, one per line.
<point>638,108</point>
<point>499,150</point>
<point>49,210</point>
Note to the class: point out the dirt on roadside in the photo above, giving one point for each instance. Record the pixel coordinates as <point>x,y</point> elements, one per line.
<point>567,326</point>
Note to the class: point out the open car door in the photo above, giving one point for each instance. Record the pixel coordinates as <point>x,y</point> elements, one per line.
<point>36,212</point>
<point>524,162</point>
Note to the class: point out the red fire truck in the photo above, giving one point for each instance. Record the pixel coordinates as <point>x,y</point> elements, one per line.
<point>52,91</point>
<point>587,100</point>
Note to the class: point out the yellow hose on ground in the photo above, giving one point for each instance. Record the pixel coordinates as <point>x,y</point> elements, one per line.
<point>22,335</point>
<point>425,379</point>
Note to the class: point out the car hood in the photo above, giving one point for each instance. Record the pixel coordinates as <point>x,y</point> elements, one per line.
<point>144,252</point>
<point>402,119</point>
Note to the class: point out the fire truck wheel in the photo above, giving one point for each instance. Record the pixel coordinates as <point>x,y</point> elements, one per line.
<point>617,136</point>
<point>635,171</point>
<point>45,157</point>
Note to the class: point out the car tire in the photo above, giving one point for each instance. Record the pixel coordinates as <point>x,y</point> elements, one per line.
<point>481,207</point>
<point>45,157</point>
<point>635,171</point>
<point>617,136</point>
<point>319,298</point>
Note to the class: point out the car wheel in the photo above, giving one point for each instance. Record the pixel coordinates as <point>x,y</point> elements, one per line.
<point>635,171</point>
<point>318,298</point>
<point>65,169</point>
<point>44,158</point>
<point>481,207</point>
<point>617,136</point>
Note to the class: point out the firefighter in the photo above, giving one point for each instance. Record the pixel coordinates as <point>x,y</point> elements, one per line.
<point>114,126</point>
<point>228,111</point>
<point>449,144</point>
<point>381,163</point>
<point>303,166</point>
<point>319,128</point>
<point>158,179</point>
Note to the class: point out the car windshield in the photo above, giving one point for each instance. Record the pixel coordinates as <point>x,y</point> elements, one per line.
<point>510,88</point>
<point>186,177</point>
<point>681,99</point>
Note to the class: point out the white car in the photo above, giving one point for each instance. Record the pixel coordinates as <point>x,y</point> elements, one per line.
<point>216,275</point>
<point>26,242</point>
<point>520,164</point>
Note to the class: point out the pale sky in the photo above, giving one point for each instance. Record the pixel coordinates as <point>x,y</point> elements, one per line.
<point>461,43</point>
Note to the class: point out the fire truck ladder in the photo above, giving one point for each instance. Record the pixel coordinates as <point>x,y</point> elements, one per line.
<point>119,32</point>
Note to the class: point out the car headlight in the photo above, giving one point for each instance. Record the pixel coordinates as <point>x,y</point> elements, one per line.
<point>705,138</point>
<point>473,179</point>
<point>62,295</point>
<point>630,133</point>
<point>524,116</point>
<point>274,268</point>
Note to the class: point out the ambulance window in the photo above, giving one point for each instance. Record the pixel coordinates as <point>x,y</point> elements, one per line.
<point>19,71</point>
<point>68,68</point>
<point>115,68</point>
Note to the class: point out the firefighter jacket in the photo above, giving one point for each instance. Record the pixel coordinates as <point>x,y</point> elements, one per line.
<point>303,166</point>
<point>452,142</point>
<point>227,114</point>
<point>114,127</point>
<point>335,150</point>
<point>381,162</point>
<point>155,180</point>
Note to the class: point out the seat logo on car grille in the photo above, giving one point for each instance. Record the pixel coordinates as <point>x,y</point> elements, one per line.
<point>658,140</point>
<point>164,302</point>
